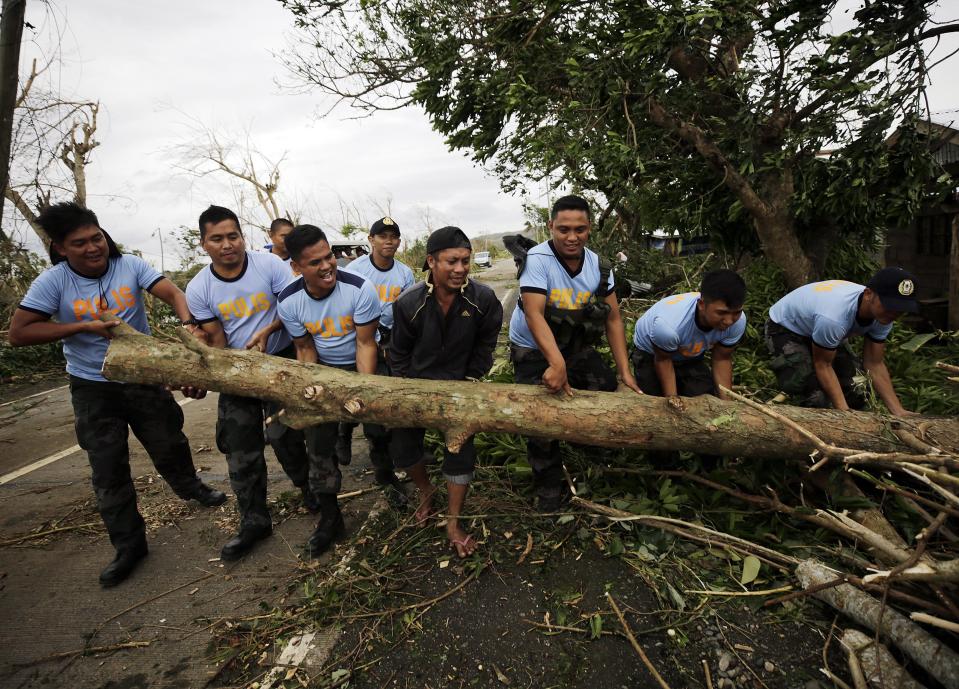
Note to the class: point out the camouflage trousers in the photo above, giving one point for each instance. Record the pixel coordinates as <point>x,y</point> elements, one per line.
<point>793,365</point>
<point>693,376</point>
<point>378,437</point>
<point>324,471</point>
<point>104,414</point>
<point>241,437</point>
<point>585,370</point>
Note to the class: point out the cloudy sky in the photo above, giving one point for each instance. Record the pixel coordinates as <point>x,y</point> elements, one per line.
<point>157,66</point>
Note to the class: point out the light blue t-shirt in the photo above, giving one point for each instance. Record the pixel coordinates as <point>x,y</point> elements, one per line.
<point>826,313</point>
<point>332,319</point>
<point>389,284</point>
<point>68,297</point>
<point>244,304</point>
<point>546,273</point>
<point>670,325</point>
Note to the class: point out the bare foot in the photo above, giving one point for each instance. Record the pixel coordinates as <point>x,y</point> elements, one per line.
<point>464,543</point>
<point>425,509</point>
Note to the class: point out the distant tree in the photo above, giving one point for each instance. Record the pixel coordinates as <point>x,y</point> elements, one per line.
<point>680,114</point>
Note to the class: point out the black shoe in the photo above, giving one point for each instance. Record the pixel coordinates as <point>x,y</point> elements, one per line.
<point>344,448</point>
<point>330,528</point>
<point>393,490</point>
<point>244,541</point>
<point>310,501</point>
<point>123,564</point>
<point>207,496</point>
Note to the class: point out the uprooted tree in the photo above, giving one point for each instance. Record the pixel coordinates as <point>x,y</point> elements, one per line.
<point>313,394</point>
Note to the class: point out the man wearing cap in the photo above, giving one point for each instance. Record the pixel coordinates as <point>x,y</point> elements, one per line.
<point>808,330</point>
<point>444,328</point>
<point>389,277</point>
<point>567,303</point>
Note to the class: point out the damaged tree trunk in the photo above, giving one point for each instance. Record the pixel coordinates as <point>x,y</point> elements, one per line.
<point>313,394</point>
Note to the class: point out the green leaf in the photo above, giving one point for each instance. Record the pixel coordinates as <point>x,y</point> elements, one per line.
<point>566,519</point>
<point>720,421</point>
<point>676,597</point>
<point>917,341</point>
<point>616,547</point>
<point>751,565</point>
<point>595,625</point>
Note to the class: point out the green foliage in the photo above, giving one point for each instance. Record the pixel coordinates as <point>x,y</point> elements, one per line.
<point>703,117</point>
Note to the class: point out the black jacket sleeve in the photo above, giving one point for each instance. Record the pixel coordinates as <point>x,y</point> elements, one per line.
<point>481,358</point>
<point>402,339</point>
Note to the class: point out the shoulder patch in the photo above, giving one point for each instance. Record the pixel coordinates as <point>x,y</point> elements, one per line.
<point>291,289</point>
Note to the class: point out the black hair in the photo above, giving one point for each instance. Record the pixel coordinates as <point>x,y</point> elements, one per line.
<point>60,219</point>
<point>570,203</point>
<point>303,237</point>
<point>215,215</point>
<point>278,223</point>
<point>723,285</point>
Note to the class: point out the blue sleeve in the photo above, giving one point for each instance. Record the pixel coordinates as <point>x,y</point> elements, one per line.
<point>735,333</point>
<point>287,313</point>
<point>663,335</point>
<point>535,277</point>
<point>827,333</point>
<point>879,332</point>
<point>147,275</point>
<point>386,317</point>
<point>610,284</point>
<point>197,302</point>
<point>367,307</point>
<point>408,280</point>
<point>280,274</point>
<point>44,294</point>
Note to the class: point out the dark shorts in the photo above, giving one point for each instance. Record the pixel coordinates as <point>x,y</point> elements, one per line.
<point>792,362</point>
<point>407,450</point>
<point>693,376</point>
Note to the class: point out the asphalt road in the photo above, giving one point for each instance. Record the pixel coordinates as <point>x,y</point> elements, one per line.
<point>158,623</point>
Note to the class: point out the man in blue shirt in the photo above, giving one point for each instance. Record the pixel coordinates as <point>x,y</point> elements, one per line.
<point>808,330</point>
<point>91,277</point>
<point>389,277</point>
<point>234,301</point>
<point>332,316</point>
<point>567,303</point>
<point>672,338</point>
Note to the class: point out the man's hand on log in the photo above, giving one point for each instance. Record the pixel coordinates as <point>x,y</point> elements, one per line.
<point>192,392</point>
<point>630,381</point>
<point>555,380</point>
<point>259,340</point>
<point>101,328</point>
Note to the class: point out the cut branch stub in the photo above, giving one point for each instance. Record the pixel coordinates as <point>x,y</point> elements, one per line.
<point>313,394</point>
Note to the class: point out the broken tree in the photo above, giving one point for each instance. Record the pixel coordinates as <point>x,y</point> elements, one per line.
<point>312,394</point>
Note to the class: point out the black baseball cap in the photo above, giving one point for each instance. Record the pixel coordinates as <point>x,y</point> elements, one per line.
<point>384,224</point>
<point>895,288</point>
<point>446,238</point>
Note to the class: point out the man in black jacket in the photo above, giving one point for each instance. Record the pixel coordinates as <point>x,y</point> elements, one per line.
<point>443,329</point>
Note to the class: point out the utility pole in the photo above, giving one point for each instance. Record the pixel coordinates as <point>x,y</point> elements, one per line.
<point>11,33</point>
<point>159,233</point>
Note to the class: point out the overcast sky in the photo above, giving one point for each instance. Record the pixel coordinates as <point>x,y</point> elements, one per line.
<point>155,65</point>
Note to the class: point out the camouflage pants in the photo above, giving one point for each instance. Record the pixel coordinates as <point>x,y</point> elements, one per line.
<point>693,377</point>
<point>325,477</point>
<point>377,436</point>
<point>585,370</point>
<point>793,365</point>
<point>240,436</point>
<point>104,413</point>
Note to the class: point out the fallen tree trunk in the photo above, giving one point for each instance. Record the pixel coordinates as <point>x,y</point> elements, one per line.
<point>313,394</point>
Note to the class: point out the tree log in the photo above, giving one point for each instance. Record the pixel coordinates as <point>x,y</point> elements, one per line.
<point>313,394</point>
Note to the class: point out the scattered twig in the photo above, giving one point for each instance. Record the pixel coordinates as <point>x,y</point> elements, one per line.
<point>740,594</point>
<point>41,534</point>
<point>934,621</point>
<point>87,651</point>
<point>709,677</point>
<point>639,649</point>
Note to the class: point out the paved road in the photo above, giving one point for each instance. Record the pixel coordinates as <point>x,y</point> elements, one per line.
<point>50,602</point>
